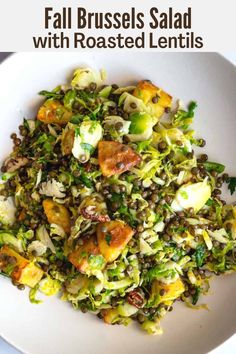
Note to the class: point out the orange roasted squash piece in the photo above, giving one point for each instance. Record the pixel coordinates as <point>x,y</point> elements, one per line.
<point>53,111</point>
<point>57,214</point>
<point>154,97</point>
<point>81,256</point>
<point>110,315</point>
<point>113,236</point>
<point>67,141</point>
<point>19,268</point>
<point>171,291</point>
<point>116,158</point>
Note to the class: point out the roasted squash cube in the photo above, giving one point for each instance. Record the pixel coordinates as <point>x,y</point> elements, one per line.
<point>110,315</point>
<point>30,275</point>
<point>53,111</point>
<point>87,256</point>
<point>116,158</point>
<point>171,291</point>
<point>154,97</point>
<point>21,269</point>
<point>57,214</point>
<point>113,236</point>
<point>67,141</point>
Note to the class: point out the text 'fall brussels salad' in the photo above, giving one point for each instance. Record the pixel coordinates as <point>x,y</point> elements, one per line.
<point>106,204</point>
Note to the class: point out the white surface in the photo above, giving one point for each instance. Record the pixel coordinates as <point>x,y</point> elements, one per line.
<point>54,327</point>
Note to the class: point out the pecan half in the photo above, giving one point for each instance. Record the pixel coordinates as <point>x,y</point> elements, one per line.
<point>94,208</point>
<point>90,212</point>
<point>15,163</point>
<point>135,298</point>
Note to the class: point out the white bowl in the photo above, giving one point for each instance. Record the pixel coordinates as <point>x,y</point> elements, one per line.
<point>54,327</point>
